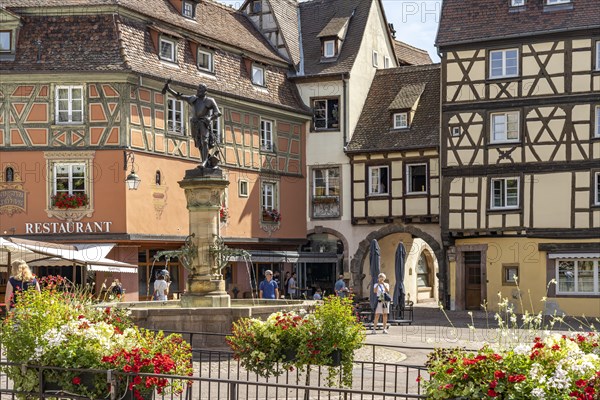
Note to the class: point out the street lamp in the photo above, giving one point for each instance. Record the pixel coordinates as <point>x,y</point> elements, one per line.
<point>132,180</point>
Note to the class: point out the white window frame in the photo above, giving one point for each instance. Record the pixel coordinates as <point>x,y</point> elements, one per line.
<point>269,196</point>
<point>505,197</point>
<point>211,62</point>
<point>375,59</point>
<point>576,281</point>
<point>326,173</point>
<point>409,188</point>
<point>375,173</point>
<point>70,165</point>
<point>328,45</point>
<point>71,108</point>
<point>185,7</point>
<point>517,3</point>
<point>167,57</point>
<point>175,107</point>
<point>243,190</point>
<point>10,41</point>
<point>597,188</point>
<point>505,115</point>
<point>266,134</point>
<point>401,120</point>
<point>386,62</point>
<point>456,131</point>
<point>255,79</point>
<point>503,73</point>
<point>553,2</point>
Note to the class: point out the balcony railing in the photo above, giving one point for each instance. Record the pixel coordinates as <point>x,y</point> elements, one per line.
<point>326,206</point>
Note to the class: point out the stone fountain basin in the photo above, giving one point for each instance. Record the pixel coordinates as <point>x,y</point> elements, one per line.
<point>212,322</point>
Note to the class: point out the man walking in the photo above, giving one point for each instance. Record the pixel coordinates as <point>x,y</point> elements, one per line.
<point>268,288</point>
<point>291,288</point>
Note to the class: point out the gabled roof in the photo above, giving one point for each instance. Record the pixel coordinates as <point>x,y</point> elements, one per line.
<point>464,21</point>
<point>410,55</point>
<point>315,16</point>
<point>213,20</point>
<point>113,43</point>
<point>374,132</point>
<point>286,15</point>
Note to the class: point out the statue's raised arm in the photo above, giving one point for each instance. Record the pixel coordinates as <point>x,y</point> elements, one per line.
<point>204,112</point>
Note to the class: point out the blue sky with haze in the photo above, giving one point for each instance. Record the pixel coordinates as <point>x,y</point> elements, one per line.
<point>415,21</point>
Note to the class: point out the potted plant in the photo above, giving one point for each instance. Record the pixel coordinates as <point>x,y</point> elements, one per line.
<point>65,329</point>
<point>271,215</point>
<point>332,337</point>
<point>224,213</point>
<point>331,331</point>
<point>268,348</point>
<point>65,201</point>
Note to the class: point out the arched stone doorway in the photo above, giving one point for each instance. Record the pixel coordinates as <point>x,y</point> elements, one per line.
<point>424,260</point>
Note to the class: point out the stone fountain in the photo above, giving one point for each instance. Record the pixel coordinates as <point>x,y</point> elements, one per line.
<point>205,306</point>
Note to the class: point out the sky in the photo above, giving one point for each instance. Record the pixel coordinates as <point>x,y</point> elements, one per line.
<point>415,21</point>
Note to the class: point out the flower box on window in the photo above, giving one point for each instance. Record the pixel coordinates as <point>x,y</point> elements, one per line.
<point>65,201</point>
<point>224,214</point>
<point>271,215</point>
<point>326,199</point>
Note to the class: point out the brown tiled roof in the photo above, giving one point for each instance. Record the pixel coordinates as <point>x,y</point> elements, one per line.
<point>409,55</point>
<point>286,15</point>
<point>374,129</point>
<point>407,96</point>
<point>334,27</point>
<point>230,71</point>
<point>213,20</point>
<point>464,21</point>
<point>67,43</point>
<point>115,43</point>
<point>315,16</point>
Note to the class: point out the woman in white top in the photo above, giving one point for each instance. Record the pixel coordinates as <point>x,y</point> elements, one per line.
<point>383,307</point>
<point>161,288</point>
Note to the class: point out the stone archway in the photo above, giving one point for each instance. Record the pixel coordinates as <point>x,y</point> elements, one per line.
<point>356,265</point>
<point>322,229</point>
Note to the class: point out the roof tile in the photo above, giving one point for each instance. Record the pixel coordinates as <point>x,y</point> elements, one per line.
<point>374,130</point>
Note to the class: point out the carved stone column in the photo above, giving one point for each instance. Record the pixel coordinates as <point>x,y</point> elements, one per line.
<point>204,190</point>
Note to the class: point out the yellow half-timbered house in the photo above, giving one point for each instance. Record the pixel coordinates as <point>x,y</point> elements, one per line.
<point>520,153</point>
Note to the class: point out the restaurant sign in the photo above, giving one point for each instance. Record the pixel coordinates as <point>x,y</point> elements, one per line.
<point>68,227</point>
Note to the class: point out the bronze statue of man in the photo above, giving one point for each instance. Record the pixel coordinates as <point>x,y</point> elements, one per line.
<point>205,111</point>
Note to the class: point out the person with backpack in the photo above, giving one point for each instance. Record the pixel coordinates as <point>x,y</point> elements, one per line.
<point>22,279</point>
<point>382,290</point>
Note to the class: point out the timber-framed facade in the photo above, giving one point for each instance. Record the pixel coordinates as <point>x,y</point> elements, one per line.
<point>81,106</point>
<point>519,151</point>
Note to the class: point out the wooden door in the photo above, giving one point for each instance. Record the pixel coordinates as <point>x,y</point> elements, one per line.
<point>472,280</point>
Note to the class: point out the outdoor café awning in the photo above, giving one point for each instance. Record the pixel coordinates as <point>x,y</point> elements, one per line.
<point>52,254</point>
<point>289,257</point>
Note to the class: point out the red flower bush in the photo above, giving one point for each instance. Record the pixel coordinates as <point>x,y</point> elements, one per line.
<point>65,201</point>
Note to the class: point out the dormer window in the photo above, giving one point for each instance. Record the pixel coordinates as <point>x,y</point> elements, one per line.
<point>256,7</point>
<point>329,48</point>
<point>258,75</point>
<point>167,49</point>
<point>6,42</point>
<point>206,60</point>
<point>188,9</point>
<point>517,3</point>
<point>401,120</point>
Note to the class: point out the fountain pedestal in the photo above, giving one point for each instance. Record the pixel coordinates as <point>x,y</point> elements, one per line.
<point>204,188</point>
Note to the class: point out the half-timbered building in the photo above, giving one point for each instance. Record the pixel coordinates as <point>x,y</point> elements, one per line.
<point>81,107</point>
<point>395,175</point>
<point>520,152</point>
